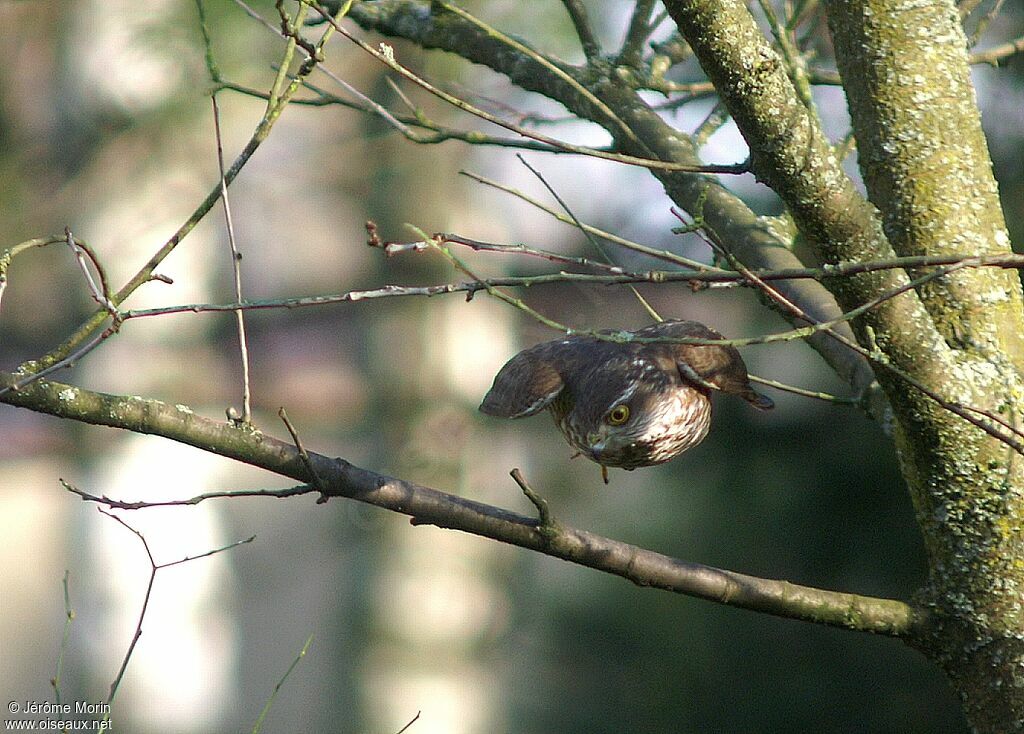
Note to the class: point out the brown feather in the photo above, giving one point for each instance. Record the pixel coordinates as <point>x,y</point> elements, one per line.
<point>665,388</point>
<point>525,385</point>
<point>714,367</point>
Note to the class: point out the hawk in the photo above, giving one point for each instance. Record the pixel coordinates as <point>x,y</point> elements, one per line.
<point>636,402</point>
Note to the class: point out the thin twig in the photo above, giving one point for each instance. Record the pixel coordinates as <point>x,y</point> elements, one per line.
<point>142,505</point>
<point>65,363</point>
<point>590,238</point>
<point>459,265</point>
<point>815,394</point>
<point>154,567</point>
<point>795,66</point>
<point>411,722</point>
<point>983,23</point>
<point>640,29</point>
<point>544,518</point>
<point>385,54</point>
<point>314,477</point>
<point>211,63</point>
<point>257,17</point>
<point>416,128</point>
<point>712,123</point>
<point>236,270</point>
<point>997,54</point>
<point>146,273</point>
<point>69,616</point>
<point>615,239</point>
<point>393,248</point>
<point>101,291</point>
<point>277,687</point>
<point>545,62</point>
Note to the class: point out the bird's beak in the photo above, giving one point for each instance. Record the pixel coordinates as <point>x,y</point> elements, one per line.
<point>595,447</point>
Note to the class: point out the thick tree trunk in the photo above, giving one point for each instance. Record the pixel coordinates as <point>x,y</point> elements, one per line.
<point>927,169</point>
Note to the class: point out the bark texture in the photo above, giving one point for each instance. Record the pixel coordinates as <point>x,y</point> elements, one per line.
<point>927,169</point>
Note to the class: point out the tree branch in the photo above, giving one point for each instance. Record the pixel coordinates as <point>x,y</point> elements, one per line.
<point>751,240</point>
<point>584,31</point>
<point>339,478</point>
<point>790,153</point>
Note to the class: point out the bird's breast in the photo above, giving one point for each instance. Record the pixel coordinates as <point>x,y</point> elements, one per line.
<point>678,421</point>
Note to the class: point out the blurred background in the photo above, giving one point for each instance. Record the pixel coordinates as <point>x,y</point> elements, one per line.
<point>106,127</point>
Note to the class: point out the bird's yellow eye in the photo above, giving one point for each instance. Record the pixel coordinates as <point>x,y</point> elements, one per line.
<point>618,415</point>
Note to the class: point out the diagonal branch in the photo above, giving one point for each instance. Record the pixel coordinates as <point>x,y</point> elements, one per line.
<point>639,31</point>
<point>430,506</point>
<point>584,30</point>
<point>279,98</point>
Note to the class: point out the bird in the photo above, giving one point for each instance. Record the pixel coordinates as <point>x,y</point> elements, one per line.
<point>625,399</point>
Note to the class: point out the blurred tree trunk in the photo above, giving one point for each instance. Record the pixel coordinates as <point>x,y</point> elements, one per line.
<point>931,191</point>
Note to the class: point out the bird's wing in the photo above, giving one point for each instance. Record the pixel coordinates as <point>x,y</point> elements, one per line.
<point>526,384</point>
<point>713,367</point>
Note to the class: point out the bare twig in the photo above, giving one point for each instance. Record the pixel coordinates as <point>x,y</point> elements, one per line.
<point>414,127</point>
<point>814,394</point>
<point>100,291</point>
<point>412,721</point>
<point>640,28</point>
<point>544,518</point>
<point>997,54</point>
<point>795,66</point>
<point>983,23</point>
<point>496,291</point>
<point>590,238</point>
<point>547,63</point>
<point>715,119</point>
<point>615,239</point>
<point>69,616</point>
<point>257,17</point>
<point>316,480</point>
<point>7,256</point>
<point>277,687</point>
<point>142,505</point>
<point>236,269</point>
<point>211,63</point>
<point>154,567</point>
<point>992,56</point>
<point>393,248</point>
<point>65,363</point>
<point>385,54</point>
<point>146,273</point>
